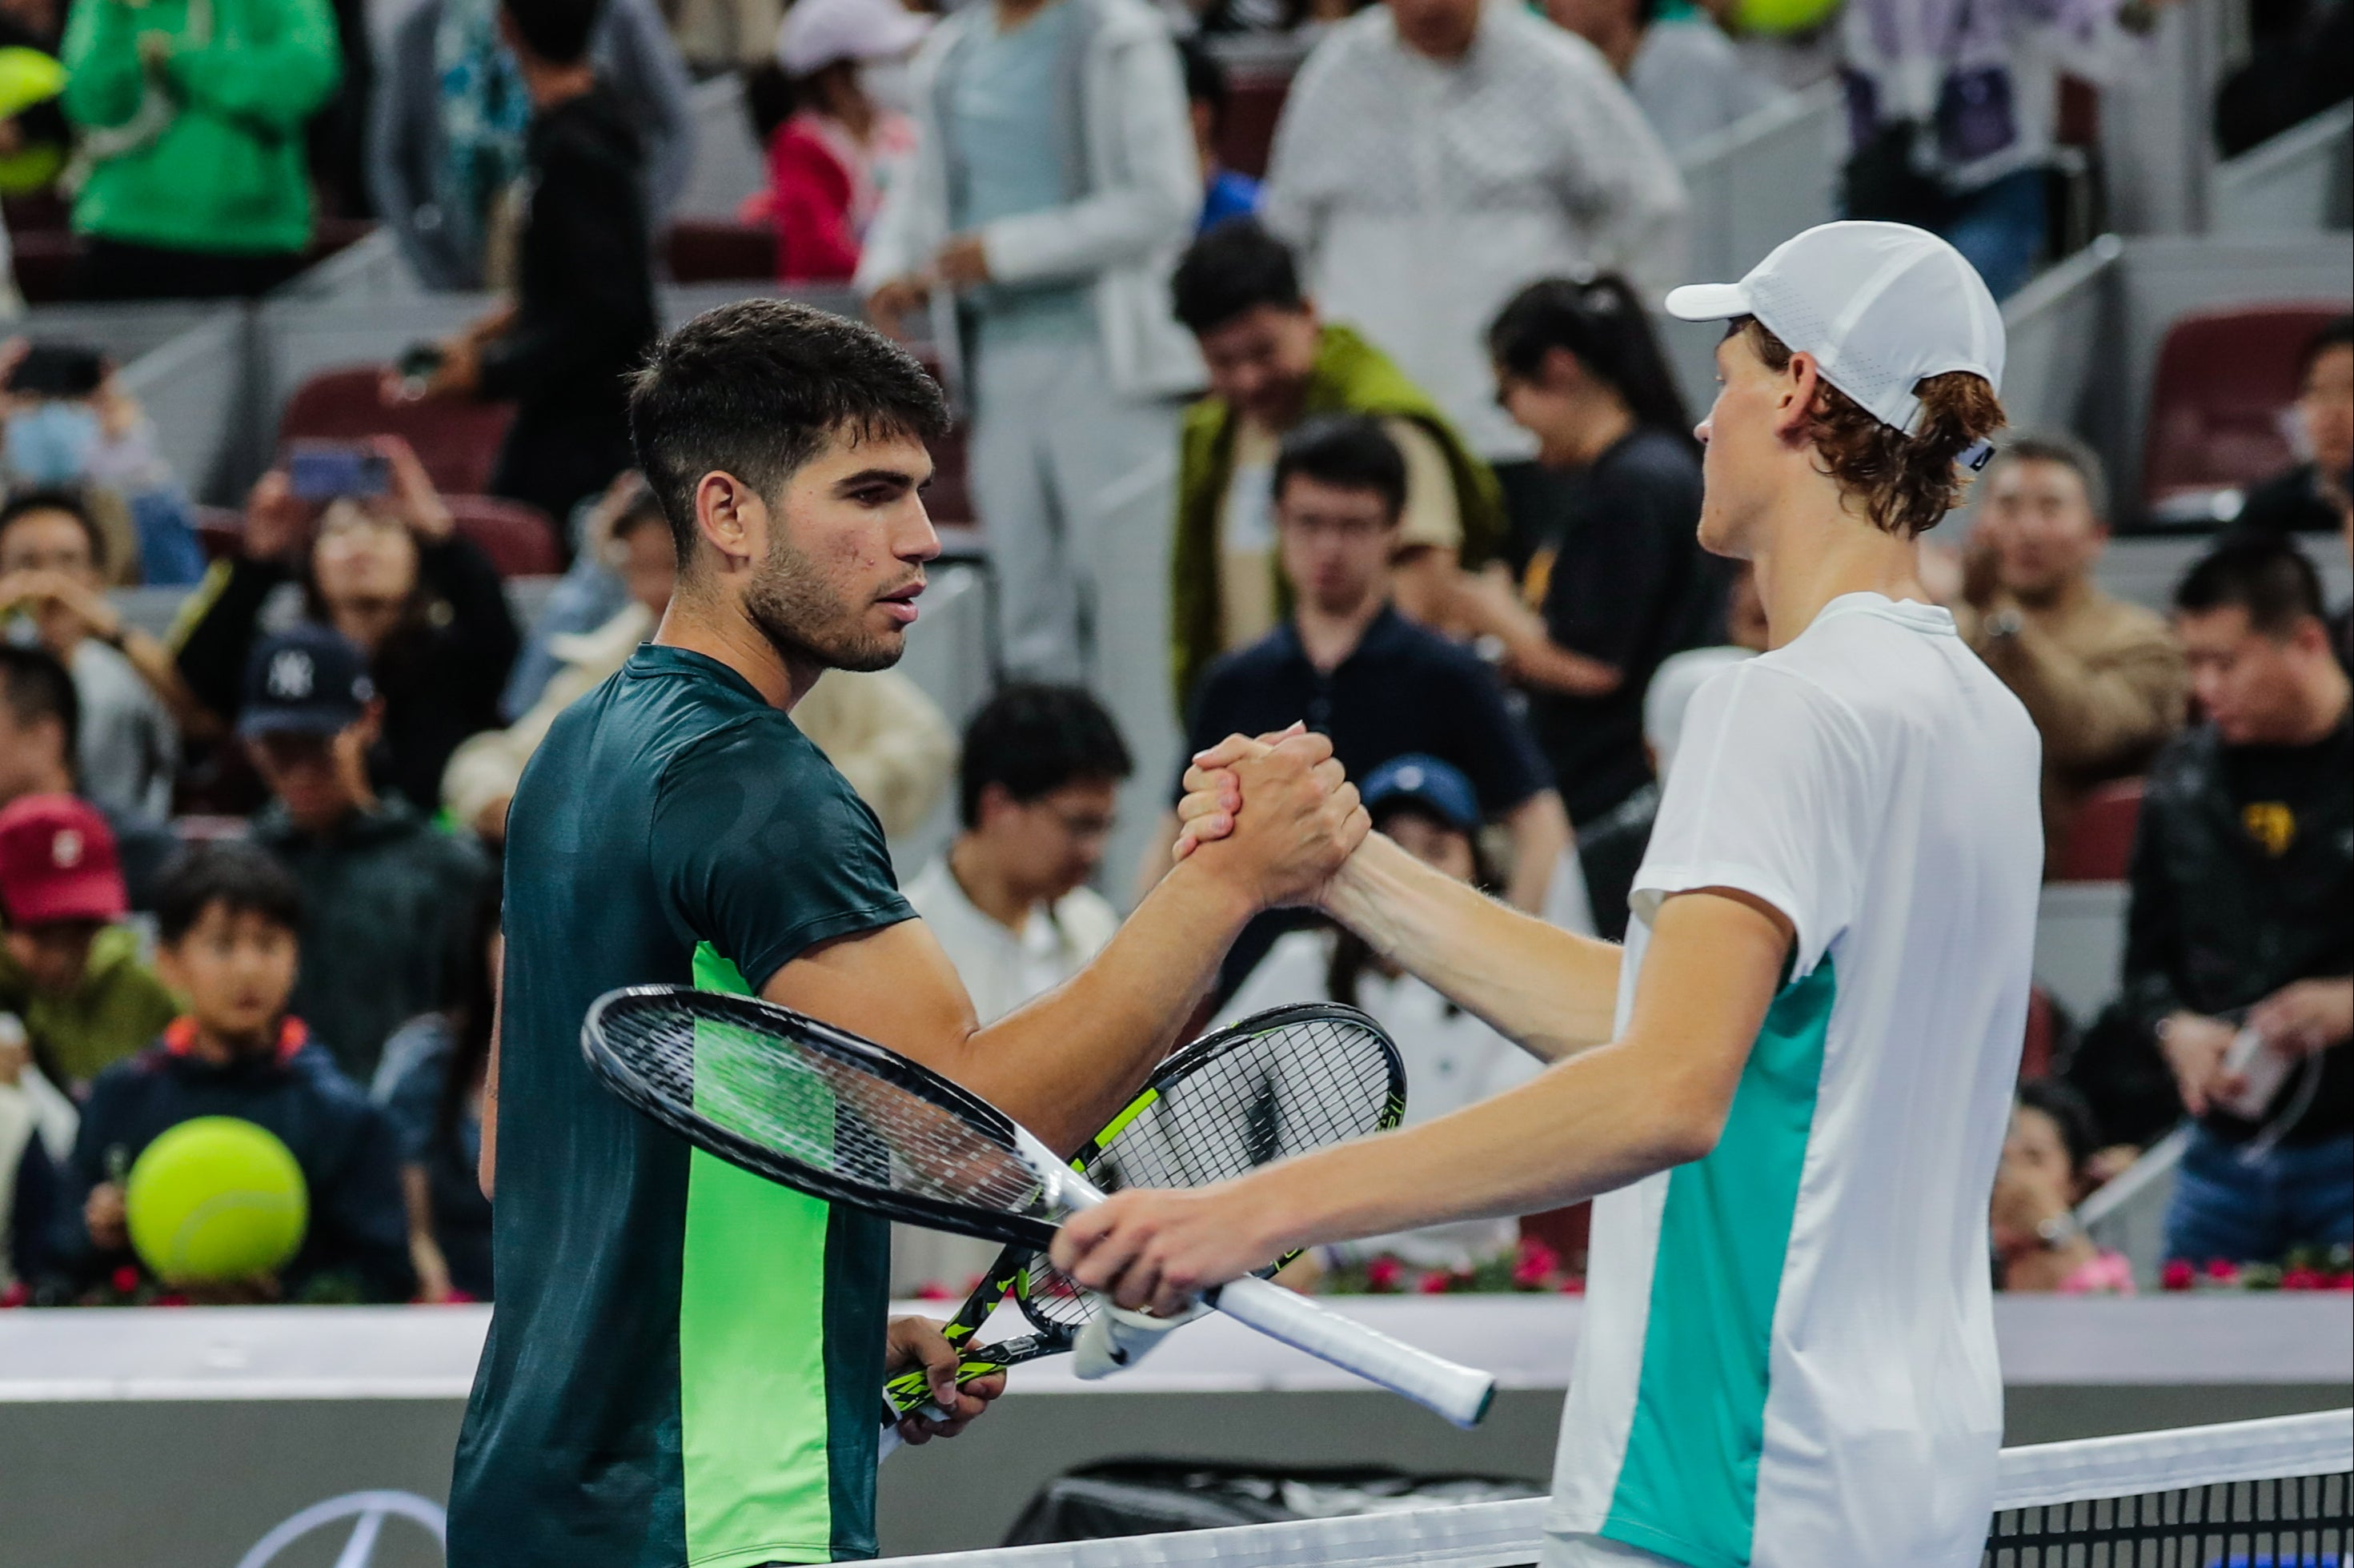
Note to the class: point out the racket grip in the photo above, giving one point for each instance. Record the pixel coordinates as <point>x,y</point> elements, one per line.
<point>1461,1393</point>
<point>1117,1339</point>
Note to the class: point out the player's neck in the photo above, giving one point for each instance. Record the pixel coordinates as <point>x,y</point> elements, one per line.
<point>1806,558</point>
<point>732,639</point>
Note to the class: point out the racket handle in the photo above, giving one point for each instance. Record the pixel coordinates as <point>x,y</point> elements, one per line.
<point>1461,1393</point>
<point>1117,1339</point>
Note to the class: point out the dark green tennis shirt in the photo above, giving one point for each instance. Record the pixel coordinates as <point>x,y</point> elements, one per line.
<point>685,1361</point>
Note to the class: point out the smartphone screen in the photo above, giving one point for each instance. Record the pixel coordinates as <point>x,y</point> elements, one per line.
<point>333,470</point>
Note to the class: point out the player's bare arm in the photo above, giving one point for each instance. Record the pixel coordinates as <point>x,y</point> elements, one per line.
<point>1655,1097</point>
<point>1065,1062</point>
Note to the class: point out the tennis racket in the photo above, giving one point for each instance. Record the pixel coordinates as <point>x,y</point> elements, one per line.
<point>1279,1083</point>
<point>817,1109</point>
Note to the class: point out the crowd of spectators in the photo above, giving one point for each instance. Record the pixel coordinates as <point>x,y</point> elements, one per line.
<point>1385,444</point>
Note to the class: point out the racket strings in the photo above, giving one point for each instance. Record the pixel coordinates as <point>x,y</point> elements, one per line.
<point>1288,1090</point>
<point>833,1116</point>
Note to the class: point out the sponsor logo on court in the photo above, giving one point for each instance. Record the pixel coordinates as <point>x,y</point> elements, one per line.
<point>361,1517</point>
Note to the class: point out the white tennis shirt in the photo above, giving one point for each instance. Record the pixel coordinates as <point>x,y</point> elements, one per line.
<point>1788,1357</point>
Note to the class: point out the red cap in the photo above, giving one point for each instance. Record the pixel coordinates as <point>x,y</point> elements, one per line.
<point>57,861</point>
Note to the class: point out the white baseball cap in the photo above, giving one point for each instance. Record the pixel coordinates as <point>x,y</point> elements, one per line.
<point>1879,306</point>
<point>816,33</point>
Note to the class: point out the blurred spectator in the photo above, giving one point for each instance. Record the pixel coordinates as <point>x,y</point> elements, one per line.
<point>1436,155</point>
<point>1620,581</point>
<point>52,573</point>
<point>68,968</point>
<point>226,938</point>
<point>37,1134</point>
<point>889,740</point>
<point>1227,193</point>
<point>2313,496</point>
<point>583,311</point>
<point>2242,894</point>
<point>719,36</point>
<point>72,426</point>
<point>590,593</point>
<point>2296,71</point>
<point>1053,187</point>
<point>2103,680</point>
<point>2044,1174</point>
<point>191,180</point>
<point>1273,362</point>
<point>833,154</point>
<point>40,723</point>
<point>1452,1059</point>
<point>430,1085</point>
<point>1037,793</point>
<point>1684,73</point>
<point>1951,108</point>
<point>1350,666</point>
<point>386,895</point>
<point>450,122</point>
<point>392,574</point>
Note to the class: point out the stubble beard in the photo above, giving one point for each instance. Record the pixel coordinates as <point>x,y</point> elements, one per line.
<point>803,619</point>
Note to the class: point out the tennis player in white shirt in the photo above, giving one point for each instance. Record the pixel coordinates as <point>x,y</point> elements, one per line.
<point>1790,1089</point>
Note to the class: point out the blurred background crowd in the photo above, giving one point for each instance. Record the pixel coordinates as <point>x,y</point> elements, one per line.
<point>1307,369</point>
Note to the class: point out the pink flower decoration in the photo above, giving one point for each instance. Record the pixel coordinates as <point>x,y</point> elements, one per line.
<point>126,1279</point>
<point>2177,1275</point>
<point>17,1295</point>
<point>1437,1282</point>
<point>1383,1274</point>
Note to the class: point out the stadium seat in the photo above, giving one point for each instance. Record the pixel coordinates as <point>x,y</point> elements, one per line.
<point>457,441</point>
<point>949,499</point>
<point>2100,844</point>
<point>1254,103</point>
<point>2226,379</point>
<point>716,250</point>
<point>220,532</point>
<point>2042,1035</point>
<point>519,539</point>
<point>1563,1230</point>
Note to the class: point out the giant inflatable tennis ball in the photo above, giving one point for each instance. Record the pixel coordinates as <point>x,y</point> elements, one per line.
<point>1779,18</point>
<point>216,1199</point>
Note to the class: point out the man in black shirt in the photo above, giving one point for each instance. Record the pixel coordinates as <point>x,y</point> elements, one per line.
<point>584,312</point>
<point>2313,497</point>
<point>2243,915</point>
<point>1345,664</point>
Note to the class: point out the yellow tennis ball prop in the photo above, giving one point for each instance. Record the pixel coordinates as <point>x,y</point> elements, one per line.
<point>1779,18</point>
<point>216,1199</point>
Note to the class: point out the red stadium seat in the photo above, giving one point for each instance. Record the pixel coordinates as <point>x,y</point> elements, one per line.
<point>457,441</point>
<point>2043,1036</point>
<point>1563,1230</point>
<point>949,499</point>
<point>2225,378</point>
<point>220,531</point>
<point>2100,844</point>
<point>716,250</point>
<point>1254,103</point>
<point>519,539</point>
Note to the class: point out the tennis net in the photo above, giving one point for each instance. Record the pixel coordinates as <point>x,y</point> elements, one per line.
<point>2276,1493</point>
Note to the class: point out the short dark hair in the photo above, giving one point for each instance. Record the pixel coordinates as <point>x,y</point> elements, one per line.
<point>1230,271</point>
<point>1601,323</point>
<point>2069,1112</point>
<point>2339,333</point>
<point>243,878</point>
<point>1349,452</point>
<point>2069,451</point>
<point>2260,572</point>
<point>1032,739</point>
<point>35,685</point>
<point>557,31</point>
<point>756,388</point>
<point>1205,78</point>
<point>58,498</point>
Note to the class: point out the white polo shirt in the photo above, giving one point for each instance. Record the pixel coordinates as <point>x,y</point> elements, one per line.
<point>1789,1358</point>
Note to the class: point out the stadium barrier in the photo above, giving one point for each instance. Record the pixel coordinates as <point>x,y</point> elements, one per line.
<point>2300,182</point>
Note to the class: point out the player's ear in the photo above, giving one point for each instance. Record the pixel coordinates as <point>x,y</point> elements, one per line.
<point>731,517</point>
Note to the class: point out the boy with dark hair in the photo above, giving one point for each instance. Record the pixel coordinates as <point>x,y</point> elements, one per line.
<point>2243,893</point>
<point>1273,362</point>
<point>684,1362</point>
<point>584,308</point>
<point>227,916</point>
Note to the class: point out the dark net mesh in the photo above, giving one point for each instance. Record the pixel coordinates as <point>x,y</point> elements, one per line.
<point>2303,1521</point>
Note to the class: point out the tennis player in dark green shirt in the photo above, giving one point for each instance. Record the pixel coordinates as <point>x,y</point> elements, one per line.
<point>684,1364</point>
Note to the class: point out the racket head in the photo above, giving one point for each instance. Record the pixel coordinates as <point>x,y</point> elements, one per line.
<point>1285,1081</point>
<point>814,1108</point>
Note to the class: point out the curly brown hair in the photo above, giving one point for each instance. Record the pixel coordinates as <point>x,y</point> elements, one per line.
<point>1908,483</point>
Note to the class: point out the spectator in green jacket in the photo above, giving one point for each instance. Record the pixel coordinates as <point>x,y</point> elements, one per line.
<point>191,180</point>
<point>386,896</point>
<point>1273,363</point>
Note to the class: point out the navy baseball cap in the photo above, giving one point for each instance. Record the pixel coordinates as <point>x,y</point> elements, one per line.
<point>1420,779</point>
<point>311,679</point>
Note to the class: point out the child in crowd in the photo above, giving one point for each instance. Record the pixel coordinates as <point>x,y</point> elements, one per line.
<point>227,915</point>
<point>69,970</point>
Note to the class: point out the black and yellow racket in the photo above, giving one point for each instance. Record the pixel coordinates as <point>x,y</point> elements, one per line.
<point>814,1108</point>
<point>1279,1083</point>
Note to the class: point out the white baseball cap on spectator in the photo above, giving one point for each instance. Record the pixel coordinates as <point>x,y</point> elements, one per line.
<point>1879,306</point>
<point>816,33</point>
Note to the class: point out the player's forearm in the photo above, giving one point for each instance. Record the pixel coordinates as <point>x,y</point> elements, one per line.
<point>1066,1064</point>
<point>1552,992</point>
<point>1539,827</point>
